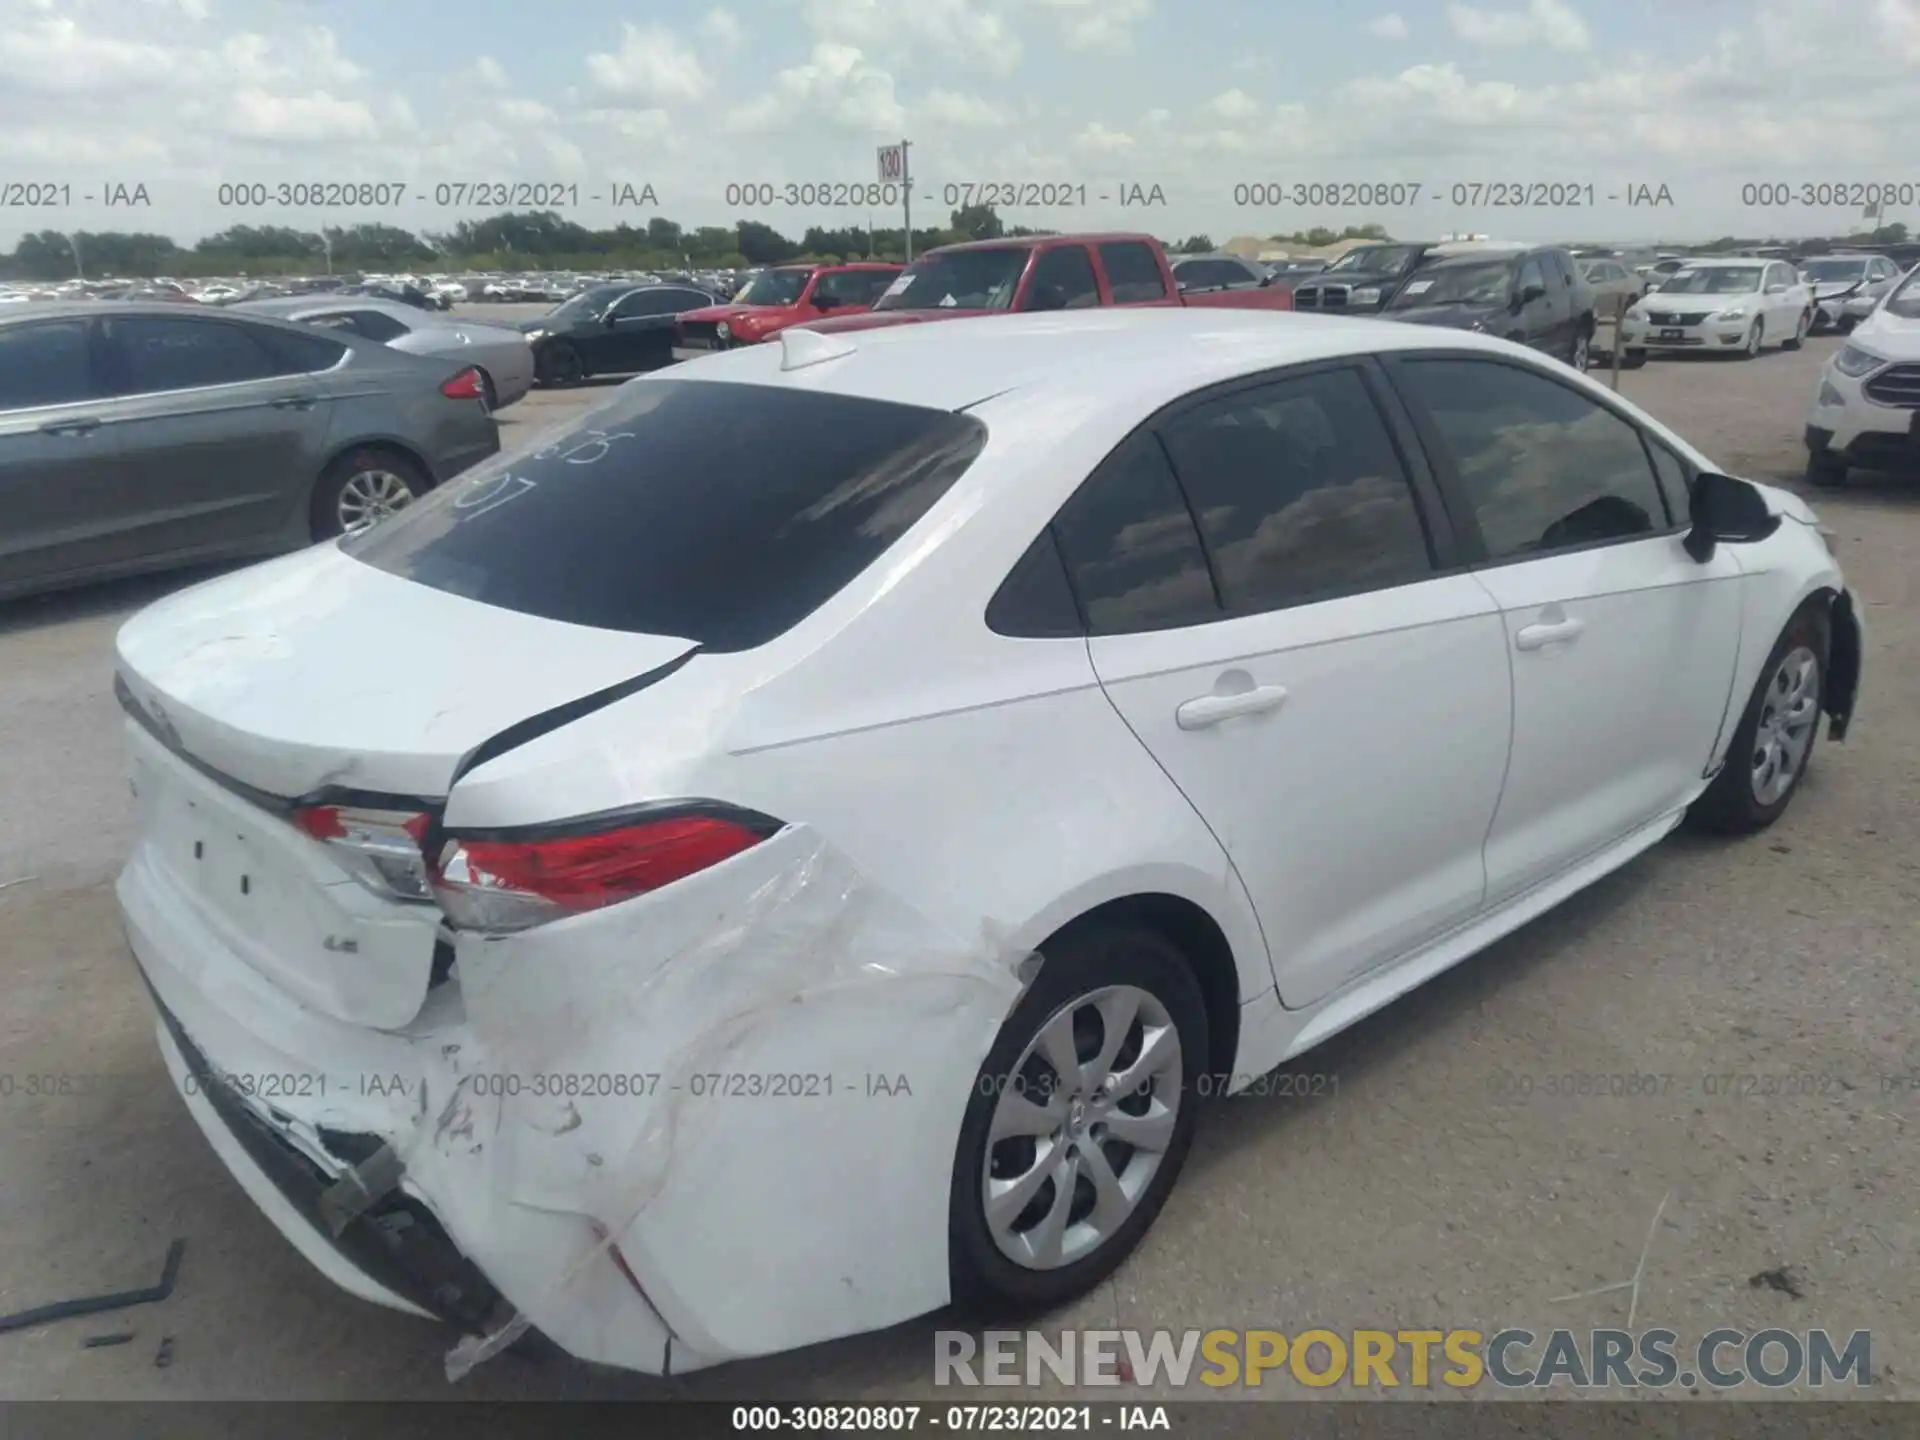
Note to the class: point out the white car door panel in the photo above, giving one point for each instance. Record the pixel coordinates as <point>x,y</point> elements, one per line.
<point>1266,615</point>
<point>1349,761</point>
<point>1623,656</point>
<point>1622,645</point>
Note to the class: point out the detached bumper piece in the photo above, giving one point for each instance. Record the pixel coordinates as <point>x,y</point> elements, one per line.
<point>396,1242</point>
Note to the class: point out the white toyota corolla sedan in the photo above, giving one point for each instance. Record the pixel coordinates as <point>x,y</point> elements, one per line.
<point>795,849</point>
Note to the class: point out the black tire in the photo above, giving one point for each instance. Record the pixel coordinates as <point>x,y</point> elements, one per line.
<point>1756,342</point>
<point>984,1279</point>
<point>1580,356</point>
<point>1729,806</point>
<point>1826,470</point>
<point>326,518</point>
<point>560,364</point>
<point>1793,341</point>
<point>1846,324</point>
<point>1631,359</point>
<point>489,396</point>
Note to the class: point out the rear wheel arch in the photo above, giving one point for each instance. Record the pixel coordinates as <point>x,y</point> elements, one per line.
<point>384,446</point>
<point>1202,943</point>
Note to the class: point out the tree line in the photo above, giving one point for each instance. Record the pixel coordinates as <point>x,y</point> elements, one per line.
<point>522,241</point>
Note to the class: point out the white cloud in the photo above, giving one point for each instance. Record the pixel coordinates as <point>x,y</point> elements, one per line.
<point>652,66</point>
<point>1233,105</point>
<point>1099,25</point>
<point>488,73</point>
<point>1391,26</point>
<point>1097,139</point>
<point>723,28</point>
<point>961,112</point>
<point>934,34</point>
<point>837,89</point>
<point>1552,23</point>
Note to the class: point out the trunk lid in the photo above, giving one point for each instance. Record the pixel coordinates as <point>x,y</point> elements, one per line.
<point>316,671</point>
<point>319,678</point>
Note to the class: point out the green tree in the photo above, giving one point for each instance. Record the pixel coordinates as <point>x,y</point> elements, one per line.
<point>976,222</point>
<point>1195,245</point>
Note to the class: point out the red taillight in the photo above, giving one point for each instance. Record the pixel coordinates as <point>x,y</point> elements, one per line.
<point>379,848</point>
<point>464,386</point>
<point>509,884</point>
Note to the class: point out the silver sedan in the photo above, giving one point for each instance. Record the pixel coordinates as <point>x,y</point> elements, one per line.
<point>502,355</point>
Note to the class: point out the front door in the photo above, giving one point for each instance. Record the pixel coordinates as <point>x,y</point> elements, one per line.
<point>58,471</point>
<point>1622,646</point>
<point>1267,617</point>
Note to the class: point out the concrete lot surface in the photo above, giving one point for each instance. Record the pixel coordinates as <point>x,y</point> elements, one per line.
<point>1420,1192</point>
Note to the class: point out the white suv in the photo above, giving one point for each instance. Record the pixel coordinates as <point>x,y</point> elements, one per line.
<point>1866,410</point>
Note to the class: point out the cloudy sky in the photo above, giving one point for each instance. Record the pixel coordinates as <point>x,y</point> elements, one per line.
<point>1203,100</point>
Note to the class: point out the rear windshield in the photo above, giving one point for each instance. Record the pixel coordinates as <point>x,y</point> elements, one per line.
<point>719,513</point>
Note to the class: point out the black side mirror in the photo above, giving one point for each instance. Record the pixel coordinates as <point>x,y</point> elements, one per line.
<point>1726,511</point>
<point>1528,294</point>
<point>1047,297</point>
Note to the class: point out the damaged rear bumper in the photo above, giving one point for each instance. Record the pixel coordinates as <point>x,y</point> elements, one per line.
<point>794,1052</point>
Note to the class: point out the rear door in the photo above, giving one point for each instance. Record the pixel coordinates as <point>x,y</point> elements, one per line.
<point>1133,274</point>
<point>220,432</point>
<point>59,483</point>
<point>1622,646</point>
<point>1273,616</point>
<point>1062,278</point>
<point>1542,320</point>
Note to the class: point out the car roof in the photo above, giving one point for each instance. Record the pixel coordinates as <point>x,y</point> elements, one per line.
<point>1109,356</point>
<point>1028,242</point>
<point>302,304</point>
<point>1717,262</point>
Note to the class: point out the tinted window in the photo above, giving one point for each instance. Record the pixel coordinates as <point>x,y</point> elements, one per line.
<point>723,514</point>
<point>875,283</point>
<point>643,302</point>
<point>377,326</point>
<point>1130,546</point>
<point>1199,274</point>
<point>44,365</point>
<point>1676,481</point>
<point>1035,601</point>
<point>848,287</point>
<point>1133,274</point>
<point>166,354</point>
<point>1532,272</point>
<point>1063,280</point>
<point>1298,491</point>
<point>299,352</point>
<point>1542,466</point>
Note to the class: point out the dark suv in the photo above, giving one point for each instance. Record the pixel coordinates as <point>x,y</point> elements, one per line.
<point>1533,294</point>
<point>1361,281</point>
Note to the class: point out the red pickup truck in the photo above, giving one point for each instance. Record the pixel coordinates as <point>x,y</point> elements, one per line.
<point>778,297</point>
<point>1041,272</point>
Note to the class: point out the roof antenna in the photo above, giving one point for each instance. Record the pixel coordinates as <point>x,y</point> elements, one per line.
<point>800,348</point>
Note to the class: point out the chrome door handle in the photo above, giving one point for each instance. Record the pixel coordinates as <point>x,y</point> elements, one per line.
<point>1205,710</point>
<point>294,402</point>
<point>1536,637</point>
<point>80,425</point>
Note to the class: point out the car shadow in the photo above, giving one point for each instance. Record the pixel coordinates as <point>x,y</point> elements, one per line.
<point>105,597</point>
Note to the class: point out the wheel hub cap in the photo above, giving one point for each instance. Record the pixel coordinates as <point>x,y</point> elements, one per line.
<point>1788,715</point>
<point>1080,1127</point>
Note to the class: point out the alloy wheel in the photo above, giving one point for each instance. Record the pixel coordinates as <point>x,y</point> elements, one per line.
<point>1788,716</point>
<point>1753,339</point>
<point>370,496</point>
<point>1084,1121</point>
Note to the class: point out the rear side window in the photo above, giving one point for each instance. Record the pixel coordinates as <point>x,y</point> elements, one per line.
<point>718,513</point>
<point>1063,280</point>
<point>1035,601</point>
<point>300,353</point>
<point>44,364</point>
<point>157,354</point>
<point>1299,492</point>
<point>1132,272</point>
<point>376,326</point>
<point>1131,548</point>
